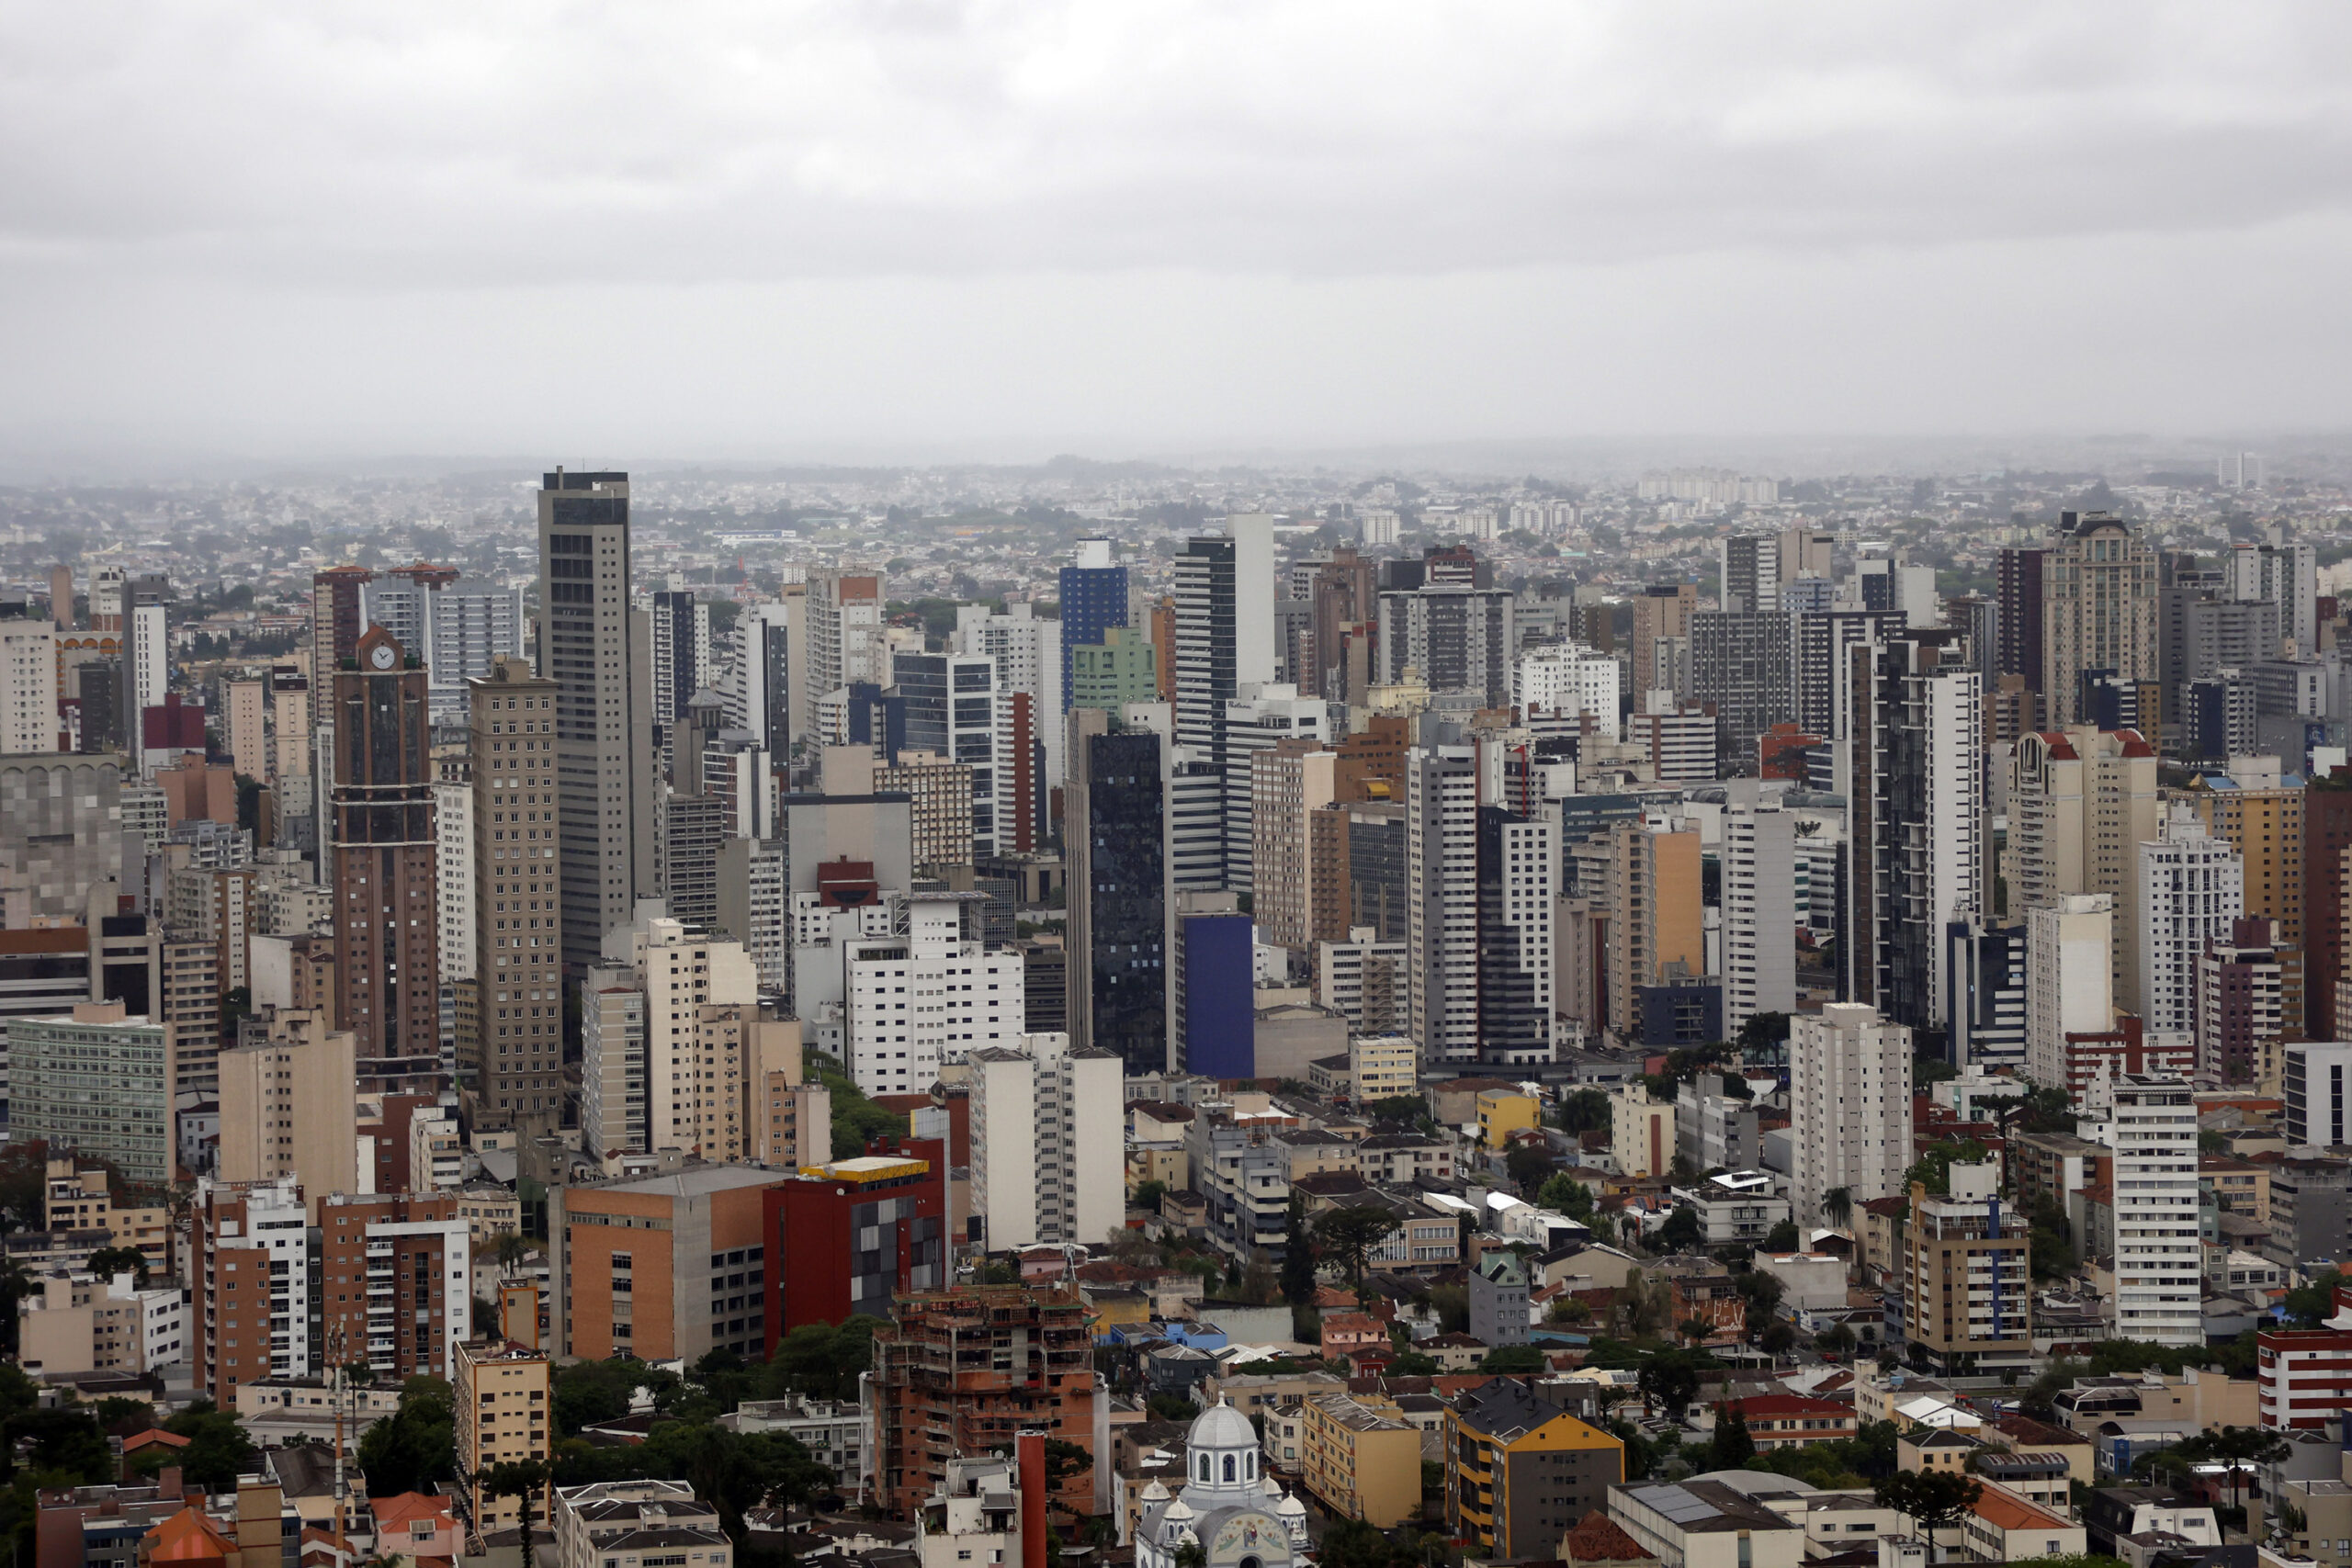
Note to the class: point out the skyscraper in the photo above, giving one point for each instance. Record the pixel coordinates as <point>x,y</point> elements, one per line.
<point>458,629</point>
<point>1457,636</point>
<point>1916,807</point>
<point>2150,1124</point>
<point>338,614</point>
<point>510,1060</point>
<point>1748,568</point>
<point>1481,889</point>
<point>387,971</point>
<point>598,652</point>
<point>1095,599</point>
<point>2098,608</point>
<point>1118,891</point>
<point>2081,801</point>
<point>763,699</point>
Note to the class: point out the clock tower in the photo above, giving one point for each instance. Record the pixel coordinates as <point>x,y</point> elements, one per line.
<point>388,979</point>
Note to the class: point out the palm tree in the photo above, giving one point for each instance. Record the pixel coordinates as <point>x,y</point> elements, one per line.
<point>512,1250</point>
<point>1694,1329</point>
<point>1838,1206</point>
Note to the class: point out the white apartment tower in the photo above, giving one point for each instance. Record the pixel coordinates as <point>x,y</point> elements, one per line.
<point>1759,879</point>
<point>929,997</point>
<point>1850,1108</point>
<point>1571,681</point>
<point>2191,890</point>
<point>1255,721</point>
<point>2067,980</point>
<point>1047,1149</point>
<point>147,663</point>
<point>1028,654</point>
<point>2150,1124</point>
<point>2081,803</point>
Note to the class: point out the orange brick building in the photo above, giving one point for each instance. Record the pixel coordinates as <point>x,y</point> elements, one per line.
<point>665,1266</point>
<point>964,1371</point>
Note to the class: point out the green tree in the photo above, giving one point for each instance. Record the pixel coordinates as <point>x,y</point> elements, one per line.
<point>1933,1499</point>
<point>1835,1341</point>
<point>1147,1196</point>
<point>1670,1380</point>
<point>1298,1256</point>
<point>1567,1197</point>
<point>524,1480</point>
<point>1733,1445</point>
<point>1583,1110</point>
<point>1682,1232</point>
<point>2311,1304</point>
<point>1527,1165</point>
<point>408,1449</point>
<point>1513,1358</point>
<point>108,1261</point>
<point>217,1451</point>
<point>1782,1237</point>
<point>822,1360</point>
<point>1352,1234</point>
<point>1413,1364</point>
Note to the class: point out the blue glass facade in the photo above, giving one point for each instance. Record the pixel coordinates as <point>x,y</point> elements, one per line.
<point>1095,599</point>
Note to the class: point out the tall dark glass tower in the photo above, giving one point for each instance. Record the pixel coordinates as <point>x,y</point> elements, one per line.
<point>1118,898</point>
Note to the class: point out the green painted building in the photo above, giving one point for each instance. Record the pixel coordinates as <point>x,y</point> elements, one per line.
<point>1119,669</point>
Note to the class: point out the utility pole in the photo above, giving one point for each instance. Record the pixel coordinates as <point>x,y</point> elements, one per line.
<point>335,1363</point>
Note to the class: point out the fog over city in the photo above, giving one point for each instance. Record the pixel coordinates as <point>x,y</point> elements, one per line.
<point>917,232</point>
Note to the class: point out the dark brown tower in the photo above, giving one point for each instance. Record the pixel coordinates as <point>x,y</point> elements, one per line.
<point>388,968</point>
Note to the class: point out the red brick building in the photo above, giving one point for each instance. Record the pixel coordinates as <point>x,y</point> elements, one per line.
<point>387,965</point>
<point>859,1232</point>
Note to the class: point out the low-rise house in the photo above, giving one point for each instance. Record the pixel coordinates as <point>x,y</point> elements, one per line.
<point>2004,1527</point>
<point>1791,1421</point>
<point>1705,1524</point>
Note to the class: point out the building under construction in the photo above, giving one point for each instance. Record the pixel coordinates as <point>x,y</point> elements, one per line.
<point>965,1371</point>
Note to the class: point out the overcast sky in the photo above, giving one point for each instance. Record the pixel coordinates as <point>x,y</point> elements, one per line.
<point>868,227</point>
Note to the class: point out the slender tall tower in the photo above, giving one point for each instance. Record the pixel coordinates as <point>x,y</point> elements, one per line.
<point>2099,609</point>
<point>599,654</point>
<point>510,1042</point>
<point>387,914</point>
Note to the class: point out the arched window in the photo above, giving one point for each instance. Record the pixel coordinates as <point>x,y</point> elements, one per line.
<point>1204,1467</point>
<point>1249,1466</point>
<point>1228,1467</point>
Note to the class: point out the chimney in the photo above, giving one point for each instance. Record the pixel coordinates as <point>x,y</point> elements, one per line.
<point>1030,1454</point>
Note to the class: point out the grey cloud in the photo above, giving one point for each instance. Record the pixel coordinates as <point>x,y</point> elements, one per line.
<point>461,145</point>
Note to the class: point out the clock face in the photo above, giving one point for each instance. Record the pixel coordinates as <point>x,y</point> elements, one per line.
<point>382,655</point>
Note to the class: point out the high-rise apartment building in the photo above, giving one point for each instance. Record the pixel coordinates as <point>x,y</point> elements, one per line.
<point>1850,1106</point>
<point>2327,835</point>
<point>1046,1143</point>
<point>147,676</point>
<point>1458,637</point>
<point>1119,669</point>
<point>2190,891</point>
<point>2098,608</point>
<point>388,959</point>
<point>286,1107</point>
<point>1823,668</point>
<point>99,1081</point>
<point>1749,570</point>
<point>681,654</point>
<point>926,996</point>
<point>1027,650</point>
<point>1093,601</point>
<point>1966,1277</point>
<point>1741,666</point>
<point>2018,578</point>
<point>1569,681</point>
<point>2069,981</point>
<point>1441,899</point>
<point>2242,1007</point>
<point>1268,715</point>
<point>1640,924</point>
<point>2149,1124</point>
<point>1917,809</point>
<point>1759,916</point>
<point>2081,803</point>
<point>765,699</point>
<point>1119,897</point>
<point>1662,610</point>
<point>597,649</point>
<point>510,1063</point>
<point>955,710</point>
<point>1985,1006</point>
<point>28,716</point>
<point>1343,614</point>
<point>673,1047</point>
<point>844,644</point>
<point>2262,818</point>
<point>461,630</point>
<point>1678,739</point>
<point>1291,785</point>
<point>503,1404</point>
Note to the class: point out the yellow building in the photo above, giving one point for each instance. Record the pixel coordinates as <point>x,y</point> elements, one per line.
<point>502,1399</point>
<point>1501,1114</point>
<point>1521,1472</point>
<point>1360,1459</point>
<point>80,1200</point>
